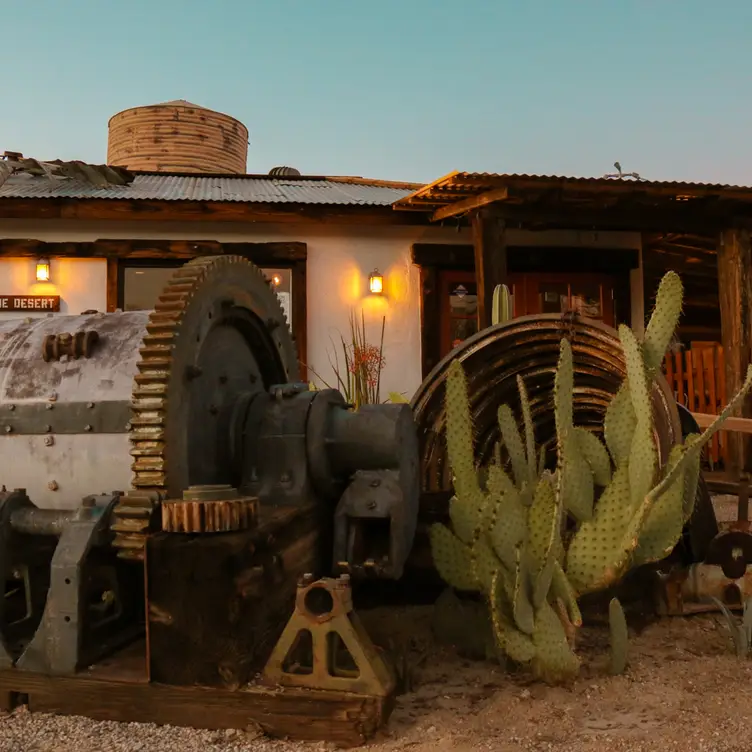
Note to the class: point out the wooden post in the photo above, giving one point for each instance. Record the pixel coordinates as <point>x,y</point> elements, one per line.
<point>489,242</point>
<point>735,299</point>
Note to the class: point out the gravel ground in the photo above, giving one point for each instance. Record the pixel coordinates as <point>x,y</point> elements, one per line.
<point>684,690</point>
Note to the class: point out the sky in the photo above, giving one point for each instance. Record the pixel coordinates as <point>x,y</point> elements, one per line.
<point>398,89</point>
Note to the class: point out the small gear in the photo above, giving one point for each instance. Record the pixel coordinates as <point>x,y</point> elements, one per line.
<point>209,509</point>
<point>217,332</point>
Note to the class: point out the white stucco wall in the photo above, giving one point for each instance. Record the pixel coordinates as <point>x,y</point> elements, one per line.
<point>340,258</point>
<point>80,283</point>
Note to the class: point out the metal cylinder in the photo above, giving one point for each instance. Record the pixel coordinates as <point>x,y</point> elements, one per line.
<point>33,521</point>
<point>64,412</point>
<point>376,437</point>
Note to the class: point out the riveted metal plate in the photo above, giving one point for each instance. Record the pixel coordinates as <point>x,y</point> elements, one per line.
<point>65,418</point>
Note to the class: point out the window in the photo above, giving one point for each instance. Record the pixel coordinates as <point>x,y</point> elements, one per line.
<point>142,285</point>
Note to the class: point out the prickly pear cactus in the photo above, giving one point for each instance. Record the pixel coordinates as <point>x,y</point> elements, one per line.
<point>505,541</point>
<point>505,538</point>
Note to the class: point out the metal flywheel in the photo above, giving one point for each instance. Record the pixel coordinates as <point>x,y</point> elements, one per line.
<point>217,334</point>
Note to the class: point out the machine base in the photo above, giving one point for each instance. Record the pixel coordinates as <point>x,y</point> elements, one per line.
<point>117,690</point>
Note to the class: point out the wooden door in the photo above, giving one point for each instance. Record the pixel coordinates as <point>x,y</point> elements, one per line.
<point>458,295</point>
<point>591,295</point>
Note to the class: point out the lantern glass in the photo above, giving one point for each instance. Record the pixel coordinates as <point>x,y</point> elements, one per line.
<point>376,283</point>
<point>43,270</point>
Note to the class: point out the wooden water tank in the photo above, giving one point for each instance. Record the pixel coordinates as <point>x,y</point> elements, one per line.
<point>177,136</point>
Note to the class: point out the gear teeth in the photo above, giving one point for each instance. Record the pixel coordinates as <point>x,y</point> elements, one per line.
<point>134,517</point>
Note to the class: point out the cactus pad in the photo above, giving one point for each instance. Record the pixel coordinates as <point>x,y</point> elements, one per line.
<point>619,637</point>
<point>663,321</point>
<point>554,661</point>
<point>595,454</point>
<point>452,558</point>
<point>513,441</point>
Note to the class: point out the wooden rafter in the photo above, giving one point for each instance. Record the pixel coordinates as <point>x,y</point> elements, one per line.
<point>470,204</point>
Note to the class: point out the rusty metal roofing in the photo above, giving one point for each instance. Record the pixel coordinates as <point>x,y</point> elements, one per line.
<point>457,186</point>
<point>240,189</point>
<point>13,164</point>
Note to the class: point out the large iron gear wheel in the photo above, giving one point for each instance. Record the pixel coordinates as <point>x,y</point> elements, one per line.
<point>218,331</point>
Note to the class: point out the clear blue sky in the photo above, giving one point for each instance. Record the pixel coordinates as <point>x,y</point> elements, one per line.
<point>400,89</point>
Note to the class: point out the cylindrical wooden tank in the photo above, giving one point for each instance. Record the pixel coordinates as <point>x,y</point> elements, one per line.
<point>177,136</point>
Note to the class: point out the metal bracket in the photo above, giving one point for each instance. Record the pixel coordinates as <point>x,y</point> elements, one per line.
<point>58,645</point>
<point>65,418</point>
<point>369,526</point>
<point>324,646</point>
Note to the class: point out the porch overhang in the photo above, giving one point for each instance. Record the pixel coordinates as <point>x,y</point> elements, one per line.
<point>604,203</point>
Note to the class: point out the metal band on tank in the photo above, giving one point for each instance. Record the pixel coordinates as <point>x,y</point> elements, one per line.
<point>112,416</point>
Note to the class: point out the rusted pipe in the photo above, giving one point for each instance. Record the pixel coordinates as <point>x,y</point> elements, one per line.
<point>34,521</point>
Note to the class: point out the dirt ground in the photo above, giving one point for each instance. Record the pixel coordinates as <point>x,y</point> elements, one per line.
<point>684,690</point>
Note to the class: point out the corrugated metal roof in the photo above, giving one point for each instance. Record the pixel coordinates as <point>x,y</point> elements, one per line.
<point>456,186</point>
<point>241,189</point>
<point>594,181</point>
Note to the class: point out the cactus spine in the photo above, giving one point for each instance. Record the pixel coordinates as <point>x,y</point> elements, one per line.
<point>505,539</point>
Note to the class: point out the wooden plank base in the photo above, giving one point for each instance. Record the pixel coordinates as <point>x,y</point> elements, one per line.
<point>346,720</point>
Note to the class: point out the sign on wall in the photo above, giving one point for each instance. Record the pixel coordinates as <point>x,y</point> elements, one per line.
<point>36,303</point>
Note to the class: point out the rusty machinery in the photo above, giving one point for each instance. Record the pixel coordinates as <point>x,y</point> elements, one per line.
<point>705,562</point>
<point>232,480</point>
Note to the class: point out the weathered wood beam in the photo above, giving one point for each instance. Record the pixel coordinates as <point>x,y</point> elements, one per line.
<point>470,204</point>
<point>450,256</point>
<point>739,425</point>
<point>430,319</point>
<point>204,211</point>
<point>628,219</point>
<point>260,253</point>
<point>735,297</point>
<point>489,242</point>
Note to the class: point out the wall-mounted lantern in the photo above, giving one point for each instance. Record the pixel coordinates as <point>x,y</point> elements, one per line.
<point>376,282</point>
<point>43,270</point>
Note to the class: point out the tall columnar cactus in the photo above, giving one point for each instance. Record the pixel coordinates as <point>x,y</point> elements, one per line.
<point>501,309</point>
<point>505,540</point>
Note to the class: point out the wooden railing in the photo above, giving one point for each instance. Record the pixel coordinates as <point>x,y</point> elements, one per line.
<point>697,376</point>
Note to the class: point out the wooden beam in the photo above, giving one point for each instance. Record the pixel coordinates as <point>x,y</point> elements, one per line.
<point>113,284</point>
<point>259,253</point>
<point>204,211</point>
<point>430,319</point>
<point>735,296</point>
<point>470,204</point>
<point>446,256</point>
<point>739,425</point>
<point>339,718</point>
<point>626,219</point>
<point>489,242</point>
<point>299,314</point>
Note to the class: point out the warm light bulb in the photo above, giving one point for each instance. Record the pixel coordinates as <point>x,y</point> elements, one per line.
<point>43,270</point>
<point>276,280</point>
<point>376,282</point>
